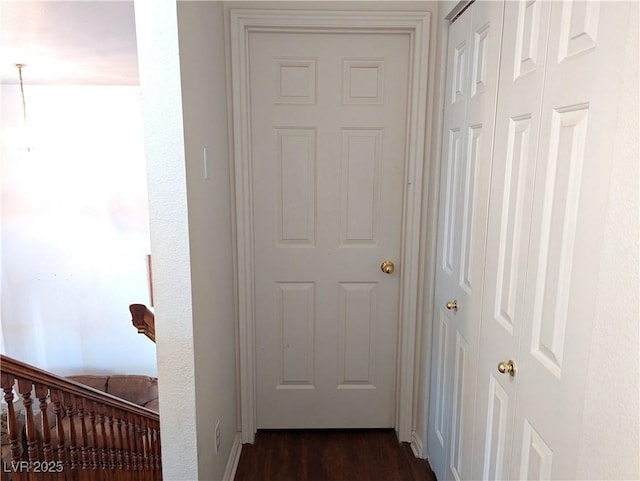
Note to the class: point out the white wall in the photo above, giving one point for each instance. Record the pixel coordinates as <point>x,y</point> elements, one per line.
<point>74,229</point>
<point>183,80</point>
<point>204,99</point>
<point>159,66</point>
<point>610,440</point>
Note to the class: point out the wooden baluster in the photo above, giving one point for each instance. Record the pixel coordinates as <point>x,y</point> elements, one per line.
<point>12,425</point>
<point>104,440</point>
<point>24,388</point>
<point>42,393</point>
<point>93,449</point>
<point>85,450</point>
<point>152,443</point>
<point>142,432</point>
<point>147,448</point>
<point>155,447</point>
<point>150,457</point>
<point>111,439</point>
<point>120,450</point>
<point>135,457</point>
<point>159,446</point>
<point>74,464</point>
<point>144,448</point>
<point>134,445</point>
<point>148,452</point>
<point>126,446</point>
<point>154,453</point>
<point>56,399</point>
<point>132,448</point>
<point>102,436</point>
<point>140,436</point>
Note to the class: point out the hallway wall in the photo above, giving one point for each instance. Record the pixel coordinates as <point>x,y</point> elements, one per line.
<point>183,80</point>
<point>610,441</point>
<point>204,98</point>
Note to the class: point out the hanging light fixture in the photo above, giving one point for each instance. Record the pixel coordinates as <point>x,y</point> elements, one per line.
<point>25,128</point>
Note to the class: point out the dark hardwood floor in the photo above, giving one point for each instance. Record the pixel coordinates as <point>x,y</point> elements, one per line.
<point>330,455</point>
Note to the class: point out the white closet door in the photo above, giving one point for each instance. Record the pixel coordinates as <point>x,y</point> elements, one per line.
<point>554,133</point>
<point>581,94</point>
<point>472,74</point>
<point>439,438</point>
<point>515,153</point>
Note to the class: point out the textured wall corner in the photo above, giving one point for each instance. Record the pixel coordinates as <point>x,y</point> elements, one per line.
<point>158,53</point>
<point>610,442</point>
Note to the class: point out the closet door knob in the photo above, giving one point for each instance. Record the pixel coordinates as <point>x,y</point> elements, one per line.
<point>452,305</point>
<point>508,367</point>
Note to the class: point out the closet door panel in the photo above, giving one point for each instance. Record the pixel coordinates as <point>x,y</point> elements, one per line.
<point>447,266</point>
<point>509,216</point>
<point>472,75</point>
<point>581,98</point>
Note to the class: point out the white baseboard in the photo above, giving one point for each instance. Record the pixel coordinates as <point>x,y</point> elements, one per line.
<point>416,445</point>
<point>234,458</point>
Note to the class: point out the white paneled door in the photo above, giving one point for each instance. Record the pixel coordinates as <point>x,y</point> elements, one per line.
<point>509,222</point>
<point>328,134</point>
<point>470,99</point>
<point>559,92</point>
<point>521,216</point>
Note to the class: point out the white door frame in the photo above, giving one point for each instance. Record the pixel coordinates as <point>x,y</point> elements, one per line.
<point>416,25</point>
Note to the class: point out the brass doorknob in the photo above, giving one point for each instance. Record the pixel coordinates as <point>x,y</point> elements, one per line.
<point>387,267</point>
<point>452,305</point>
<point>508,367</point>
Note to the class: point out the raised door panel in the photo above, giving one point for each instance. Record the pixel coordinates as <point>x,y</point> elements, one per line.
<point>451,201</point>
<point>509,220</point>
<point>295,82</point>
<point>296,166</point>
<point>360,186</point>
<point>561,174</point>
<point>296,314</point>
<point>460,400</point>
<point>578,113</point>
<point>513,220</point>
<point>497,431</point>
<point>357,337</point>
<point>536,455</point>
<point>469,246</point>
<point>363,82</point>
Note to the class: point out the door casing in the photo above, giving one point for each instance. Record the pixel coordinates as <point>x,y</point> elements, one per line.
<point>415,24</point>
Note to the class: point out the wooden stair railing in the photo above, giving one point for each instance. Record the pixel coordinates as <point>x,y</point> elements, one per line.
<point>144,320</point>
<point>79,433</point>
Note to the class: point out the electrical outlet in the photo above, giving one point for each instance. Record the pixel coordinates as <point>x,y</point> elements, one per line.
<point>218,438</point>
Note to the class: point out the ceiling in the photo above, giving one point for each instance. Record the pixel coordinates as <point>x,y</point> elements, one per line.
<point>68,42</point>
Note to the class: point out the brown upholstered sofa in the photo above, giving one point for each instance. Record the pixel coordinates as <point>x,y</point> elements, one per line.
<point>140,390</point>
